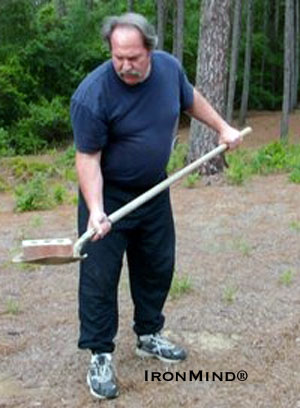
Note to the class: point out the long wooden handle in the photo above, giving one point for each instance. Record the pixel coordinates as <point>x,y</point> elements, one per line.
<point>148,195</point>
<point>137,202</point>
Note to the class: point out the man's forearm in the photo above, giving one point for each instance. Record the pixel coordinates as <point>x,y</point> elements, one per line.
<point>204,112</point>
<point>90,179</point>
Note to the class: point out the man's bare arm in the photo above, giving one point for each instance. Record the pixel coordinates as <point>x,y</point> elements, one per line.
<point>91,185</point>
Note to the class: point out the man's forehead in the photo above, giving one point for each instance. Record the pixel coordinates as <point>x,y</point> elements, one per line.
<point>126,35</point>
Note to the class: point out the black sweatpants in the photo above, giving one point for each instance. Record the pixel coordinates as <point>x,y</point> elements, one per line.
<point>147,235</point>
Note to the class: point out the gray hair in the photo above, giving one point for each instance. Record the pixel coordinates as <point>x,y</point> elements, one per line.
<point>131,20</point>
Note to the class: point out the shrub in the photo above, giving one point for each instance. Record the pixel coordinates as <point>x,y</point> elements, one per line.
<point>238,170</point>
<point>46,123</point>
<point>178,157</point>
<point>5,148</point>
<point>270,158</point>
<point>59,194</point>
<point>33,195</point>
<point>191,180</point>
<point>295,175</point>
<point>24,169</point>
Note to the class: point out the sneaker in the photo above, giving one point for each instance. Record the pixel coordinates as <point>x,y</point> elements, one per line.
<point>101,377</point>
<point>157,346</point>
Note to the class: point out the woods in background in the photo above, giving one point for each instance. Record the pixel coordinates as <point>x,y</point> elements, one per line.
<point>247,53</point>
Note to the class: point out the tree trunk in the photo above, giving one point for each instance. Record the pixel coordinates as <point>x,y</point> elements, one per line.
<point>211,77</point>
<point>284,130</point>
<point>265,41</point>
<point>178,29</point>
<point>61,8</point>
<point>296,56</point>
<point>161,8</point>
<point>274,42</point>
<point>236,33</point>
<point>130,5</point>
<point>292,51</point>
<point>247,65</point>
<point>90,4</point>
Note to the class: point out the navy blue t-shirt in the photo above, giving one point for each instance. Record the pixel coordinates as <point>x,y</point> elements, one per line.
<point>132,125</point>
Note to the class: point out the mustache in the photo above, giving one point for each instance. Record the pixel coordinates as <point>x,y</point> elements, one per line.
<point>130,72</point>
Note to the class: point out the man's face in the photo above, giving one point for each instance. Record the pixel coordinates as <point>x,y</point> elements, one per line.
<point>130,58</point>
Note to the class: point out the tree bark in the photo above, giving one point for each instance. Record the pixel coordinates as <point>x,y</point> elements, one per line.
<point>90,4</point>
<point>292,55</point>
<point>284,129</point>
<point>247,65</point>
<point>161,8</point>
<point>211,78</point>
<point>178,29</point>
<point>296,55</point>
<point>265,41</point>
<point>61,8</point>
<point>130,5</point>
<point>236,33</point>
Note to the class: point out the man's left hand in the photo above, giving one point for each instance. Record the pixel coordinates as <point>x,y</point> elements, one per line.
<point>231,137</point>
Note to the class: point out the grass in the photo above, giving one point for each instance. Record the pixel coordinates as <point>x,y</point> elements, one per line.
<point>40,184</point>
<point>275,157</point>
<point>191,180</point>
<point>229,294</point>
<point>295,226</point>
<point>242,246</point>
<point>24,169</point>
<point>286,277</point>
<point>59,194</point>
<point>178,158</point>
<point>33,195</point>
<point>12,307</point>
<point>36,221</point>
<point>180,286</point>
<point>4,186</point>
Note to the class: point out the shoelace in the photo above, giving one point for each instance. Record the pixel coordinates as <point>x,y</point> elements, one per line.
<point>102,371</point>
<point>161,343</point>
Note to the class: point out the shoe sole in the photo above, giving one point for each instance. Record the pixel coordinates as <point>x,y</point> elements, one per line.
<point>145,354</point>
<point>102,397</point>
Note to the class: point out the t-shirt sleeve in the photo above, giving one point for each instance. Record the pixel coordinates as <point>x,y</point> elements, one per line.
<point>186,92</point>
<point>90,131</point>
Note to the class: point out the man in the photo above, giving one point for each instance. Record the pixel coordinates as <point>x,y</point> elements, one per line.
<point>123,116</point>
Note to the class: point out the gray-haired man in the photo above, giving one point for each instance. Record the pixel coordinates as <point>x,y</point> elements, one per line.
<point>123,116</point>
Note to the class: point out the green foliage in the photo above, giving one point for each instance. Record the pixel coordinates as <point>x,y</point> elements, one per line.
<point>295,225</point>
<point>286,277</point>
<point>12,307</point>
<point>4,186</point>
<point>229,294</point>
<point>33,195</point>
<point>59,194</point>
<point>272,158</point>
<point>16,17</point>
<point>178,157</point>
<point>67,159</point>
<point>16,87</point>
<point>295,175</point>
<point>24,169</point>
<point>5,149</point>
<point>180,286</point>
<point>47,123</point>
<point>238,171</point>
<point>191,180</point>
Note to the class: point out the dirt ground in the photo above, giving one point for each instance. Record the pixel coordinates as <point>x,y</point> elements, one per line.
<point>240,247</point>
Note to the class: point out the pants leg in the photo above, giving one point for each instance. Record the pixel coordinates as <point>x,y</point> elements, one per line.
<point>98,287</point>
<point>151,254</point>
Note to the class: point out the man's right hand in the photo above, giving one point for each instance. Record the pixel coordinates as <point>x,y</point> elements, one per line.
<point>100,222</point>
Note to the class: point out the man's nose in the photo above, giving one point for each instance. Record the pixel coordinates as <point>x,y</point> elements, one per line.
<point>127,65</point>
